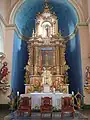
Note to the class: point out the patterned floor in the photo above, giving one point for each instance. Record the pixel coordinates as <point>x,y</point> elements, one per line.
<point>36,116</point>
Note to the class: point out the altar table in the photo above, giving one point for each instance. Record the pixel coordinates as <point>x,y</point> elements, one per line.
<point>36,99</point>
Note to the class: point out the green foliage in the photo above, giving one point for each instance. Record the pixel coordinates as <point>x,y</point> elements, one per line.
<point>85,107</point>
<point>13,101</point>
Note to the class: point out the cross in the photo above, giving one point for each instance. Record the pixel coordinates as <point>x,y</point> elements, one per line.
<point>46,1</point>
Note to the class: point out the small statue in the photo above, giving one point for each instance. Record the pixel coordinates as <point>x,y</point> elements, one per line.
<point>2,56</point>
<point>46,77</point>
<point>87,79</point>
<point>3,73</point>
<point>27,74</point>
<point>66,77</point>
<point>87,72</point>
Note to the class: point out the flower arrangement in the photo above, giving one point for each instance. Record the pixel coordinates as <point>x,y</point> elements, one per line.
<point>13,101</point>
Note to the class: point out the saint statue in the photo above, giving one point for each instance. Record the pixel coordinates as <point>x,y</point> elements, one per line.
<point>46,77</point>
<point>47,31</point>
<point>3,73</point>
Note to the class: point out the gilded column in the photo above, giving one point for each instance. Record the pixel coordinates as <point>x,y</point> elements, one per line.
<point>36,60</point>
<point>54,58</point>
<point>62,59</point>
<point>57,59</point>
<point>33,59</point>
<point>30,61</point>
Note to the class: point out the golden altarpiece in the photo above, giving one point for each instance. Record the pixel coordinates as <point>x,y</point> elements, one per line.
<point>46,50</point>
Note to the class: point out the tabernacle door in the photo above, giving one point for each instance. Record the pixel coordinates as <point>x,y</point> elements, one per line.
<point>46,88</point>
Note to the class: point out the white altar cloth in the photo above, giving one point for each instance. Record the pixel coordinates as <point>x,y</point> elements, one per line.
<point>36,99</point>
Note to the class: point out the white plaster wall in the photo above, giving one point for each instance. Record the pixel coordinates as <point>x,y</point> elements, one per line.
<point>8,46</point>
<point>1,39</point>
<point>8,50</point>
<point>89,14</point>
<point>2,8</point>
<point>85,49</point>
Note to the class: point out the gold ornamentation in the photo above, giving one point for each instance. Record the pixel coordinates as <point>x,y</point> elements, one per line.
<point>78,99</point>
<point>87,79</point>
<point>46,61</point>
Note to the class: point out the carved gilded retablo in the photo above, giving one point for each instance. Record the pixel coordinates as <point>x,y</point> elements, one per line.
<point>46,50</point>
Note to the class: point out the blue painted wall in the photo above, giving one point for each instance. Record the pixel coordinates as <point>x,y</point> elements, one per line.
<point>73,58</point>
<point>25,21</point>
<point>20,57</point>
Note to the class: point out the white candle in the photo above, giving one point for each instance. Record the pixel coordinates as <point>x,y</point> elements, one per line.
<point>17,93</point>
<point>54,90</point>
<point>72,93</point>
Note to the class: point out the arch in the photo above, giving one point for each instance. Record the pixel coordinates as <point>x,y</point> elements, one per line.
<point>24,20</point>
<point>74,3</point>
<point>78,9</point>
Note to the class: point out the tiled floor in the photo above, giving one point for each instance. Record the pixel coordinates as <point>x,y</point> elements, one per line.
<point>3,113</point>
<point>56,116</point>
<point>87,113</point>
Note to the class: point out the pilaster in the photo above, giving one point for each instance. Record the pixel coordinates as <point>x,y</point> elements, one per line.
<point>85,50</point>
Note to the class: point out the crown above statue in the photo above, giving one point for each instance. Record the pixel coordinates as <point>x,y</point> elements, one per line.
<point>46,8</point>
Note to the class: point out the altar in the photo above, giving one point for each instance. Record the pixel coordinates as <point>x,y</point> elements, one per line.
<point>46,56</point>
<point>36,99</point>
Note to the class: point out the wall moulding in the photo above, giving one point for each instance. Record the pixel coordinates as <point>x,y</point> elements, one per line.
<point>78,9</point>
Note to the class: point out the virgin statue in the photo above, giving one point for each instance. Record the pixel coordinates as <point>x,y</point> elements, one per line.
<point>46,77</point>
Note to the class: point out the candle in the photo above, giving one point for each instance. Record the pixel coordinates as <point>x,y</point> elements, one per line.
<point>72,93</point>
<point>53,90</point>
<point>17,93</point>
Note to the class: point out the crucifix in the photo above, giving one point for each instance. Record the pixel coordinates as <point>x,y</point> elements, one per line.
<point>46,1</point>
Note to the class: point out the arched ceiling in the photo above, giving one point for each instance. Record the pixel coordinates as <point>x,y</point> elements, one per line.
<point>66,13</point>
